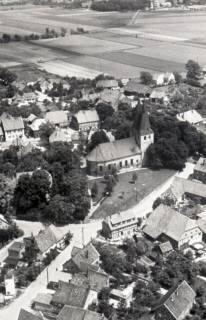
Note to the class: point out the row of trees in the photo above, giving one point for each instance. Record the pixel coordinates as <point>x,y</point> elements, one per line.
<point>49,33</point>
<point>120,5</point>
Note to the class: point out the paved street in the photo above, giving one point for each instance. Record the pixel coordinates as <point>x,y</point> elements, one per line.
<point>39,285</point>
<point>81,231</point>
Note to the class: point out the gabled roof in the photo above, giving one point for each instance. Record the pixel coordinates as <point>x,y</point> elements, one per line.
<point>86,116</point>
<point>107,83</point>
<point>57,117</point>
<point>73,313</point>
<point>45,239</point>
<point>70,294</point>
<point>191,116</point>
<point>86,256</point>
<point>133,86</point>
<point>44,298</point>
<point>62,135</point>
<point>10,123</point>
<point>145,127</point>
<point>165,247</point>
<point>182,186</point>
<point>16,246</point>
<point>158,94</point>
<point>36,124</point>
<point>165,220</point>
<point>97,280</point>
<point>26,315</point>
<point>178,300</point>
<point>201,165</point>
<point>117,149</point>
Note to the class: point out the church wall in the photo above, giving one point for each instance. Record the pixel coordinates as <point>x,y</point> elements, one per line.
<point>101,168</point>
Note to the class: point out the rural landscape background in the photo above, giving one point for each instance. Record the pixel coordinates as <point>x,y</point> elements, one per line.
<point>157,41</point>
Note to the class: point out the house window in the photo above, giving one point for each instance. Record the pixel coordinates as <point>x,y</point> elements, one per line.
<point>100,168</point>
<point>131,161</point>
<point>126,163</point>
<point>145,137</point>
<point>122,233</point>
<point>109,166</point>
<point>120,164</point>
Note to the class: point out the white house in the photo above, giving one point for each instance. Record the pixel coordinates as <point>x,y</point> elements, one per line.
<point>9,283</point>
<point>191,116</point>
<point>162,79</point>
<point>13,128</point>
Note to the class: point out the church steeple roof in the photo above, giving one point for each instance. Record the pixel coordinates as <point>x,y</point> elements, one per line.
<point>145,127</point>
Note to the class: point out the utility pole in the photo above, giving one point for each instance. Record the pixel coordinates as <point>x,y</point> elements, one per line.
<point>47,275</point>
<point>83,235</point>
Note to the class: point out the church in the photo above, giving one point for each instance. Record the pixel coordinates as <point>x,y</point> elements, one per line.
<point>124,153</point>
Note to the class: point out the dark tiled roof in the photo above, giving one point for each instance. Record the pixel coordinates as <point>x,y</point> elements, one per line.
<point>25,315</point>
<point>118,149</point>
<point>73,313</point>
<point>16,246</point>
<point>70,294</point>
<point>45,239</point>
<point>145,127</point>
<point>87,255</point>
<point>178,299</point>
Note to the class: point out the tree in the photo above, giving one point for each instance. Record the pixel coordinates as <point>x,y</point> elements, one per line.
<point>7,77</point>
<point>97,138</point>
<point>104,110</point>
<point>178,77</point>
<point>67,238</point>
<point>45,130</point>
<point>59,210</point>
<point>146,78</point>
<point>31,192</point>
<point>6,192</point>
<point>193,70</point>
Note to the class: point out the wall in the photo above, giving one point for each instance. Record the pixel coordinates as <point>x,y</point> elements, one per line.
<point>12,135</point>
<point>101,168</point>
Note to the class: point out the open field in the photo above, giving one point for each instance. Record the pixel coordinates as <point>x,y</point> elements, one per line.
<point>158,41</point>
<point>125,196</point>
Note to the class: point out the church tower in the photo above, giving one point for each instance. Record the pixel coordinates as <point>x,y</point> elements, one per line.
<point>146,134</point>
<point>142,131</point>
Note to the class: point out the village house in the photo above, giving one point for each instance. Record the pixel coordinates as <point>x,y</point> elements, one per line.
<point>26,98</point>
<point>75,313</point>
<point>117,295</point>
<point>124,153</point>
<point>13,127</point>
<point>27,315</point>
<point>58,118</point>
<point>1,134</point>
<point>60,134</point>
<point>42,302</point>
<point>111,97</point>
<point>120,226</point>
<point>35,126</point>
<point>166,224</point>
<point>135,88</point>
<point>82,259</point>
<point>200,170</point>
<point>47,239</point>
<point>86,120</point>
<point>184,188</point>
<point>71,295</point>
<point>96,280</point>
<point>3,222</point>
<point>15,253</point>
<point>159,95</point>
<point>107,84</point>
<point>191,116</point>
<point>176,304</point>
<point>163,79</point>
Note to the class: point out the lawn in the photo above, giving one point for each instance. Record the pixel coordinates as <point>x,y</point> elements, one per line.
<point>124,195</point>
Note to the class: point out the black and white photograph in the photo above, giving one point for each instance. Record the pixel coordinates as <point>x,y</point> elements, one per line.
<point>102,159</point>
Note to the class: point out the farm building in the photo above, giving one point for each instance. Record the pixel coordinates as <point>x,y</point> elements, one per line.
<point>13,127</point>
<point>191,116</point>
<point>176,304</point>
<point>87,120</point>
<point>166,224</point>
<point>128,152</point>
<point>58,118</point>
